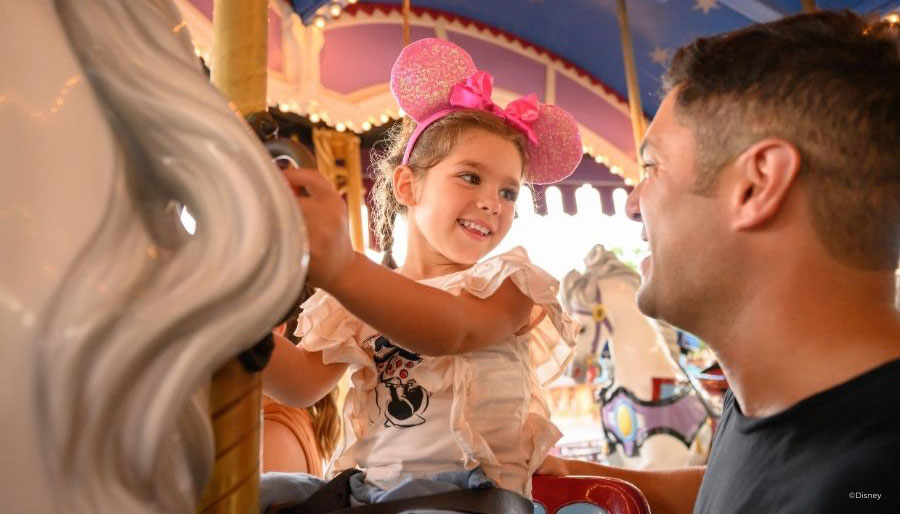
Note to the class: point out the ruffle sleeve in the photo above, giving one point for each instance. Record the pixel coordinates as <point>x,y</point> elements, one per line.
<point>553,334</point>
<point>325,326</point>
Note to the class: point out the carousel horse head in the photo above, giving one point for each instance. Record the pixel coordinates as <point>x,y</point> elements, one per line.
<point>603,300</point>
<point>644,391</point>
<point>114,317</point>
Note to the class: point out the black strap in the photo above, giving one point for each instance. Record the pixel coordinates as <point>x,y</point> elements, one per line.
<point>334,498</point>
<point>472,501</point>
<point>331,497</point>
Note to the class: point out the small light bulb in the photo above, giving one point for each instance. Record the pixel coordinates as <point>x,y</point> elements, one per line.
<point>384,118</point>
<point>314,117</point>
<point>336,10</point>
<point>340,127</point>
<point>366,125</point>
<point>319,22</point>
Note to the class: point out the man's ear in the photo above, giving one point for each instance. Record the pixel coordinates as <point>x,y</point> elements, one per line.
<point>404,186</point>
<point>765,173</point>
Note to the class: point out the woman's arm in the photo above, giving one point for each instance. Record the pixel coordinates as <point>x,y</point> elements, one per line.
<point>296,377</point>
<point>424,319</point>
<point>668,491</point>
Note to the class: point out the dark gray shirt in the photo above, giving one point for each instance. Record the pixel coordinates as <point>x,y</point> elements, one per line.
<point>835,452</point>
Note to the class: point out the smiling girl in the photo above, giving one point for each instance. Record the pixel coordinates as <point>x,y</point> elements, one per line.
<point>448,353</point>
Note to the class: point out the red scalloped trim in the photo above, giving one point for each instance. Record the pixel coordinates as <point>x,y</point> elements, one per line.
<point>372,7</point>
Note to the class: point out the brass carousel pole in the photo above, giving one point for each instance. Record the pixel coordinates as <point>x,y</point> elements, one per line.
<point>638,123</point>
<point>240,31</point>
<point>405,22</point>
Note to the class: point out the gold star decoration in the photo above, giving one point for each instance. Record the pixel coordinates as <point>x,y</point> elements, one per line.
<point>706,5</point>
<point>659,55</point>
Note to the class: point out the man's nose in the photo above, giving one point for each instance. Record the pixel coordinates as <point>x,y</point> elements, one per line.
<point>633,204</point>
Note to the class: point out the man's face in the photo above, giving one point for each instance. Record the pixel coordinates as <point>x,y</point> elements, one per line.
<point>684,229</point>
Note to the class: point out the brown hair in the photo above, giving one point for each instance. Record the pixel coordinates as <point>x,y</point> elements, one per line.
<point>827,82</point>
<point>326,423</point>
<point>433,145</point>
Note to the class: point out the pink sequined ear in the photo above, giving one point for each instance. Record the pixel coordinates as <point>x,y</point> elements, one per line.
<point>424,73</point>
<point>559,148</point>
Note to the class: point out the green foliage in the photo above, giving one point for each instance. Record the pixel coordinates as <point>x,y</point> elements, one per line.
<point>630,256</point>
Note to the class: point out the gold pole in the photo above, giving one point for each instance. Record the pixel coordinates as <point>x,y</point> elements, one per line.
<point>240,46</point>
<point>355,194</point>
<point>331,148</point>
<point>235,405</point>
<point>809,5</point>
<point>405,22</point>
<point>638,123</point>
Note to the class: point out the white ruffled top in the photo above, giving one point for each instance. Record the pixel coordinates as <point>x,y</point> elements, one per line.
<point>407,415</point>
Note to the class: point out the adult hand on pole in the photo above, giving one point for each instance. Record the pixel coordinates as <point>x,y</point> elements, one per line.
<point>325,214</point>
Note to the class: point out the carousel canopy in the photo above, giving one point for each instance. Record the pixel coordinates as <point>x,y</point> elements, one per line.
<point>585,33</point>
<point>329,60</point>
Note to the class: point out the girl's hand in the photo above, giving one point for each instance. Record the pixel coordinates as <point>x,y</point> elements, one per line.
<point>325,215</point>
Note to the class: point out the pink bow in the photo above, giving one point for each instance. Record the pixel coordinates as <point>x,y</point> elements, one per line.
<point>475,93</point>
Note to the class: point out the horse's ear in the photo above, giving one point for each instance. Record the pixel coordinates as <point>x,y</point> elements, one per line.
<point>569,279</point>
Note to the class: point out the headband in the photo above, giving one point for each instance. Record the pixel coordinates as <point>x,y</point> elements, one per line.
<point>432,78</point>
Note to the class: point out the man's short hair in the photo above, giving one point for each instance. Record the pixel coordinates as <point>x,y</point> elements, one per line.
<point>829,82</point>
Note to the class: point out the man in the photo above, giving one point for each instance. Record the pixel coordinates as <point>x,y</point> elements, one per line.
<point>771,203</point>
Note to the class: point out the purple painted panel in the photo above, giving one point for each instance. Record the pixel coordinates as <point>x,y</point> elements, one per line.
<point>590,171</point>
<point>360,56</point>
<point>595,113</point>
<point>275,44</point>
<point>204,6</point>
<point>607,204</point>
<point>567,192</point>
<point>511,70</point>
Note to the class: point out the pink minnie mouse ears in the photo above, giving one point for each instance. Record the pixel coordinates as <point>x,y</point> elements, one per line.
<point>432,78</point>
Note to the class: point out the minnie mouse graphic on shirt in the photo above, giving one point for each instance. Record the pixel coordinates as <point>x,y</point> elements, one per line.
<point>404,400</point>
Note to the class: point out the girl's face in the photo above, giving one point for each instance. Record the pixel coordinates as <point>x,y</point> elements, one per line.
<point>464,206</point>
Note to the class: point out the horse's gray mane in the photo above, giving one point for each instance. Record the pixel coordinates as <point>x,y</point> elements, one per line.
<point>581,288</point>
<point>146,312</point>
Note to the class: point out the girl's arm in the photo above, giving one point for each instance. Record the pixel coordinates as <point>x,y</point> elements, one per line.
<point>296,377</point>
<point>426,320</point>
<point>419,318</point>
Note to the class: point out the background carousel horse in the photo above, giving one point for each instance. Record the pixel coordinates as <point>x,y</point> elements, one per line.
<point>113,316</point>
<point>650,414</point>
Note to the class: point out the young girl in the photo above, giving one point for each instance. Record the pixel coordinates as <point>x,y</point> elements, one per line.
<point>447,354</point>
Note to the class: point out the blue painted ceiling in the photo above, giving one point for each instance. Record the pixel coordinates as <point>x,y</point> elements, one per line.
<point>586,32</point>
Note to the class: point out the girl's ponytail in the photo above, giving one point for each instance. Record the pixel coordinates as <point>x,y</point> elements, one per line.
<point>385,203</point>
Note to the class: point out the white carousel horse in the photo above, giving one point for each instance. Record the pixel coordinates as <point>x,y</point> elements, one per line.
<point>649,412</point>
<point>113,316</point>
